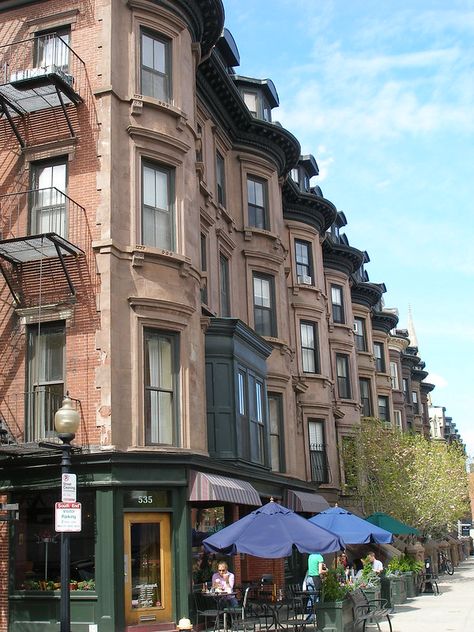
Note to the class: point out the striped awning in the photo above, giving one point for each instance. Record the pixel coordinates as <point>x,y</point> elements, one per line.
<point>305,501</point>
<point>209,487</point>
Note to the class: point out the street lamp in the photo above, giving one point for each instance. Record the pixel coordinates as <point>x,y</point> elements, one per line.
<point>66,423</point>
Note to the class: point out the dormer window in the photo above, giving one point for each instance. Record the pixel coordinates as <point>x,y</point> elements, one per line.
<point>295,176</point>
<point>259,96</point>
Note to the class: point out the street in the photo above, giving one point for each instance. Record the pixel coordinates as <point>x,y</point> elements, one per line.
<point>450,611</point>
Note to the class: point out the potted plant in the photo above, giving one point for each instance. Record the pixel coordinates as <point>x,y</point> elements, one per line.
<point>369,582</point>
<point>393,583</point>
<point>334,610</point>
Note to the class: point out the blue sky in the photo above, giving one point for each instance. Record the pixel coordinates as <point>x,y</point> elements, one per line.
<point>382,94</point>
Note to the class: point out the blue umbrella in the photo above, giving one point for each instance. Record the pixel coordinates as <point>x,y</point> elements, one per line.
<point>272,531</point>
<point>351,528</point>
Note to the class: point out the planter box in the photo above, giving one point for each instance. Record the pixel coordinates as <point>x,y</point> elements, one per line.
<point>372,592</point>
<point>335,615</point>
<point>410,583</point>
<point>38,610</point>
<point>394,590</point>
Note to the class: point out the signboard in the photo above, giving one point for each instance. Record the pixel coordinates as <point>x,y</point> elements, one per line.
<point>67,517</point>
<point>147,499</point>
<point>68,488</point>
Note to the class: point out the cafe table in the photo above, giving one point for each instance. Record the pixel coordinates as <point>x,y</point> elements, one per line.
<point>220,597</point>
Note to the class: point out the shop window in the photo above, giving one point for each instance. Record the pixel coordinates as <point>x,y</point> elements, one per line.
<point>37,546</point>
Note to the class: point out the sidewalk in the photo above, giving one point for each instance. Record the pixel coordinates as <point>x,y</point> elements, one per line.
<point>450,611</point>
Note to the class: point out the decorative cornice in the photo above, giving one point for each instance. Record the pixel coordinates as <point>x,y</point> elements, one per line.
<point>426,387</point>
<point>384,321</point>
<point>366,294</point>
<point>398,343</point>
<point>233,327</point>
<point>308,208</point>
<point>222,98</point>
<point>341,257</point>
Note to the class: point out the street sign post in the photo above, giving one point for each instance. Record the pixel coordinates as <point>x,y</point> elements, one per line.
<point>67,517</point>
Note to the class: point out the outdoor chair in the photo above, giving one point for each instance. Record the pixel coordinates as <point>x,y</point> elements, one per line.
<point>206,610</point>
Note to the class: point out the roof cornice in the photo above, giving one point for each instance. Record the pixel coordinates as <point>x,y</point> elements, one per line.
<point>308,208</point>
<point>384,321</point>
<point>341,257</point>
<point>366,294</point>
<point>223,99</point>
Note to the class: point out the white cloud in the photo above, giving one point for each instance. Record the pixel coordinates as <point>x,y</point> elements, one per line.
<point>438,380</point>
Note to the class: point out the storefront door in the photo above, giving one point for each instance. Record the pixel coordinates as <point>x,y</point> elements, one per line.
<point>147,567</point>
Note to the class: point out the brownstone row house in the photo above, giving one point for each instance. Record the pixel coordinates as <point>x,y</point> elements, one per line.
<point>165,260</point>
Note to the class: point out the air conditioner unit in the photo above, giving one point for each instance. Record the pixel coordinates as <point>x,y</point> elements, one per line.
<point>305,279</point>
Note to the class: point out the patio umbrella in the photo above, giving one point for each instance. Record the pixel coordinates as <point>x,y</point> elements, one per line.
<point>351,528</point>
<point>391,524</point>
<point>271,531</point>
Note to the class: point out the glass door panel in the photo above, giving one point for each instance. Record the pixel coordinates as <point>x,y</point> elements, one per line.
<point>147,567</point>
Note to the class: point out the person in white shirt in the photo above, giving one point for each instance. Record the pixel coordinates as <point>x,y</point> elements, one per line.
<point>377,565</point>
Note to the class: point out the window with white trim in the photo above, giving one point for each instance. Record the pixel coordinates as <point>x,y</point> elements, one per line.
<point>155,66</point>
<point>257,202</point>
<point>394,376</point>
<point>309,347</point>
<point>337,302</point>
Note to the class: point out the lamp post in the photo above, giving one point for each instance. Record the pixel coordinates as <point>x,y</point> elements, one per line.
<point>66,423</point>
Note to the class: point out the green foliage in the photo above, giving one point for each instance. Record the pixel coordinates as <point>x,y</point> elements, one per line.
<point>423,483</point>
<point>332,590</point>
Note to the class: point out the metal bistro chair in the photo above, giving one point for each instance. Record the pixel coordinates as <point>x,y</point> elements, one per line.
<point>205,610</point>
<point>249,617</point>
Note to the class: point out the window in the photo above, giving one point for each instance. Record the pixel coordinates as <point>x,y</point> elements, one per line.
<point>359,334</point>
<point>317,452</point>
<point>365,397</point>
<point>45,378</point>
<point>251,101</point>
<point>379,357</point>
<point>220,178</point>
<point>397,417</point>
<point>384,412</point>
<point>51,50</point>
<point>405,388</point>
<point>161,378</point>
<point>157,206</point>
<point>295,175</point>
<point>155,67</point>
<point>416,403</point>
<point>264,305</point>
<point>275,411</point>
<point>251,398</point>
<point>304,268</point>
<point>394,376</point>
<point>337,304</point>
<point>224,285</point>
<point>48,208</point>
<point>204,296</point>
<point>309,347</point>
<point>343,380</point>
<point>257,202</point>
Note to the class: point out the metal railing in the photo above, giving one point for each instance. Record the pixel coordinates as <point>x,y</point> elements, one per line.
<point>28,416</point>
<point>47,210</point>
<point>318,463</point>
<point>38,57</point>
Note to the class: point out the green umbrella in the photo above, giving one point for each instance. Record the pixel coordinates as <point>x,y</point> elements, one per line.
<point>391,524</point>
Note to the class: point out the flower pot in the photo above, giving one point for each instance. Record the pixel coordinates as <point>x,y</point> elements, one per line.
<point>335,615</point>
<point>409,577</point>
<point>394,589</point>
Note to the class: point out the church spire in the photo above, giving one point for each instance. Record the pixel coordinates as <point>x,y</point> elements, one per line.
<point>411,329</point>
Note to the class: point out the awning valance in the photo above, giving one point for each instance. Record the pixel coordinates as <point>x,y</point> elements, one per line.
<point>209,487</point>
<point>305,501</point>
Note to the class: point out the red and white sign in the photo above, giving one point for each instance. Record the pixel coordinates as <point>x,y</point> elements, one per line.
<point>68,488</point>
<point>67,517</point>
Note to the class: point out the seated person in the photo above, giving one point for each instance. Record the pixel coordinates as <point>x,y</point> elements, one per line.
<point>223,581</point>
<point>377,565</point>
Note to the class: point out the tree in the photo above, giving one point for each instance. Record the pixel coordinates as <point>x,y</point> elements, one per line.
<point>421,482</point>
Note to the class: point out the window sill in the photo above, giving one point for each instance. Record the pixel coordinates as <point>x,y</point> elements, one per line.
<point>138,101</point>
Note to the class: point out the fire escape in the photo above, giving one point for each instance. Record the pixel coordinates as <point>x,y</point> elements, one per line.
<point>45,241</point>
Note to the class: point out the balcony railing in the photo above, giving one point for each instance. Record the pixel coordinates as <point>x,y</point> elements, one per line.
<point>318,463</point>
<point>38,73</point>
<point>28,417</point>
<point>39,211</point>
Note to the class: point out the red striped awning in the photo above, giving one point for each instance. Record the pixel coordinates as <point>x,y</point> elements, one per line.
<point>305,501</point>
<point>209,487</point>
